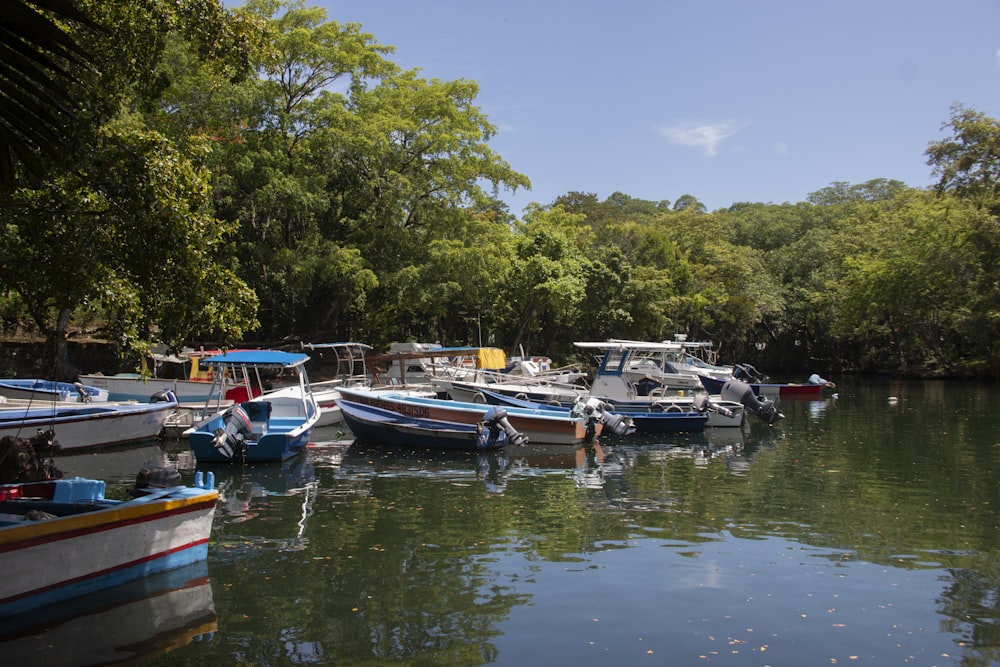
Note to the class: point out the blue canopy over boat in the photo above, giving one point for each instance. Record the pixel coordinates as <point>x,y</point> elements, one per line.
<point>274,358</point>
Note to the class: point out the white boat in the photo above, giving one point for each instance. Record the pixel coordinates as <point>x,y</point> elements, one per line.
<point>269,427</point>
<point>647,366</point>
<point>80,426</point>
<point>51,391</point>
<point>60,539</point>
<point>350,370</point>
<point>185,374</point>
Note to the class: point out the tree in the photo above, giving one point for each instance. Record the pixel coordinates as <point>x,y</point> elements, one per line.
<point>968,163</point>
<point>133,238</point>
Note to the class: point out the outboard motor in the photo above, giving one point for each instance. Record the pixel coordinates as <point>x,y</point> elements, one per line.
<point>231,440</point>
<point>618,424</point>
<point>595,410</point>
<point>703,403</point>
<point>496,422</point>
<point>82,391</point>
<point>165,396</point>
<point>592,411</point>
<point>748,373</point>
<point>741,392</point>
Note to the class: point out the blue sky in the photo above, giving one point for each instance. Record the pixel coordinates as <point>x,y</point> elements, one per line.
<point>729,101</point>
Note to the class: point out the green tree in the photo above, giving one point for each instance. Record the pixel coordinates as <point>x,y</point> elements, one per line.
<point>134,238</point>
<point>968,163</point>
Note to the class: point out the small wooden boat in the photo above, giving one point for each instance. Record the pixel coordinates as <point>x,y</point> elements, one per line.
<point>51,391</point>
<point>382,426</point>
<point>62,538</point>
<point>266,428</point>
<point>81,426</point>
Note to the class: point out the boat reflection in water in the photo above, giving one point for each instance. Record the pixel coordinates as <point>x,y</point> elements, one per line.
<point>124,624</point>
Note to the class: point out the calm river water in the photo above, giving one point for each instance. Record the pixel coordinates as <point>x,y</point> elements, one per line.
<point>861,530</point>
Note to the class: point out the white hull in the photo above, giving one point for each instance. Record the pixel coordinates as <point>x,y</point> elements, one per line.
<point>58,558</point>
<point>136,388</point>
<point>112,425</point>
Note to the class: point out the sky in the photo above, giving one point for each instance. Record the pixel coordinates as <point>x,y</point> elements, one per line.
<point>726,100</point>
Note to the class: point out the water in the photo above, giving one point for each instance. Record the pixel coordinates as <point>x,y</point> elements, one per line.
<point>860,530</point>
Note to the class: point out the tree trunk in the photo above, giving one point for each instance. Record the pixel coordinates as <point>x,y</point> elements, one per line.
<point>62,369</point>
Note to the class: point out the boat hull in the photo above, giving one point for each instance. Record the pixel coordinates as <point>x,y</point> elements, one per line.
<point>48,390</point>
<point>538,426</point>
<point>386,427</point>
<point>89,425</point>
<point>674,419</point>
<point>64,557</point>
<point>134,387</point>
<point>770,390</point>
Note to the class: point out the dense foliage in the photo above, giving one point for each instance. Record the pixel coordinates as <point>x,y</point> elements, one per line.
<point>265,172</point>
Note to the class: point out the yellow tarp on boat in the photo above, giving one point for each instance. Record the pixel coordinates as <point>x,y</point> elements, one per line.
<point>492,358</point>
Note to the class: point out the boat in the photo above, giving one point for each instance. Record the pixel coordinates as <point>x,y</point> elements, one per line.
<point>615,383</point>
<point>378,425</point>
<point>644,365</point>
<point>184,373</point>
<point>539,426</point>
<point>60,539</point>
<point>51,391</point>
<point>647,419</point>
<point>350,370</point>
<point>265,428</point>
<point>82,426</point>
<point>813,388</point>
<point>126,624</point>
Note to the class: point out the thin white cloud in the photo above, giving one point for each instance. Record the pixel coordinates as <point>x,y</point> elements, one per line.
<point>707,136</point>
<point>998,57</point>
<point>781,149</point>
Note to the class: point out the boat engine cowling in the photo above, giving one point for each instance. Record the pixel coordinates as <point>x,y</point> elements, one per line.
<point>741,392</point>
<point>496,422</point>
<point>617,424</point>
<point>165,396</point>
<point>231,439</point>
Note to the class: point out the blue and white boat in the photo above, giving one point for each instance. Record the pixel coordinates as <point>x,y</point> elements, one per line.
<point>264,428</point>
<point>60,539</point>
<point>386,427</point>
<point>51,391</point>
<point>673,419</point>
<point>539,426</point>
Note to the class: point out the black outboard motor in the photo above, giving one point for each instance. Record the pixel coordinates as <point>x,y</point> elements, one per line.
<point>618,424</point>
<point>496,420</point>
<point>165,396</point>
<point>748,373</point>
<point>741,392</point>
<point>231,440</point>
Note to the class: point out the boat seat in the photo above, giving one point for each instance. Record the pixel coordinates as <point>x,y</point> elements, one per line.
<point>259,413</point>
